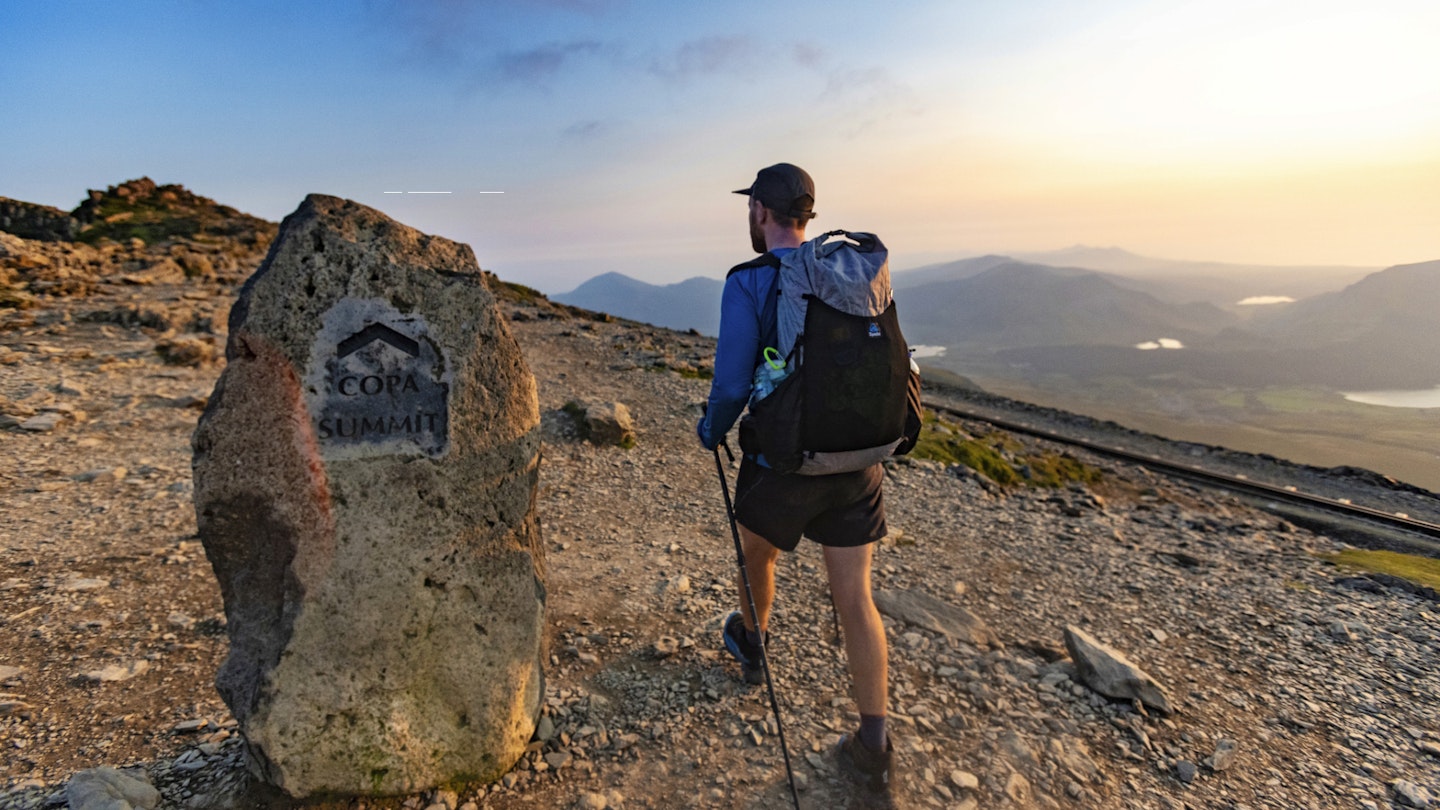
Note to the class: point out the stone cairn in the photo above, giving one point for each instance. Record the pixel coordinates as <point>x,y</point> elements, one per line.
<point>365,478</point>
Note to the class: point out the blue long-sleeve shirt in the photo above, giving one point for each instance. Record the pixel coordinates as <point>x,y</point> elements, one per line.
<point>747,326</point>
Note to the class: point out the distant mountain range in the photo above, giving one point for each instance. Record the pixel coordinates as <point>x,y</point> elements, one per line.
<point>1038,318</point>
<point>1177,282</point>
<point>1377,333</point>
<point>1015,304</point>
<point>690,304</point>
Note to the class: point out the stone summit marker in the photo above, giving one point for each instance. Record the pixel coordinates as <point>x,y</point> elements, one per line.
<point>365,479</point>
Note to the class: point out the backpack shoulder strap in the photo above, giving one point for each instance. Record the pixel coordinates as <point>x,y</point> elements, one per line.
<point>766,259</point>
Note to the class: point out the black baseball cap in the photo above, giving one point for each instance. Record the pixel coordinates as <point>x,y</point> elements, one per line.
<point>785,189</point>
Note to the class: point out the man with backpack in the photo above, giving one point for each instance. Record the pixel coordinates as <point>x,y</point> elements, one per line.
<point>767,358</point>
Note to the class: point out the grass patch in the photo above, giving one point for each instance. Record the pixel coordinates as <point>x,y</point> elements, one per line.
<point>1413,567</point>
<point>1059,469</point>
<point>694,372</point>
<point>516,293</point>
<point>576,412</point>
<point>972,453</point>
<point>999,456</point>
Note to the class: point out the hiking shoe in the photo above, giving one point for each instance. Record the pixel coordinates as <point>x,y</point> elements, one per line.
<point>747,654</point>
<point>874,769</point>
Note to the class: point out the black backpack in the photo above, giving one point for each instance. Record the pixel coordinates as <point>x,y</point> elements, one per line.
<point>850,395</point>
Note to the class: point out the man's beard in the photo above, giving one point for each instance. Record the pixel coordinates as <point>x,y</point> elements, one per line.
<point>757,237</point>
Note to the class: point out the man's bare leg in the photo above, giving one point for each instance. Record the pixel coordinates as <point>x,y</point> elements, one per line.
<point>865,646</point>
<point>760,559</point>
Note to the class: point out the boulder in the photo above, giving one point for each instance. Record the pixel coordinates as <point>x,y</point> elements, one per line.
<point>1109,672</point>
<point>604,423</point>
<point>365,475</point>
<point>925,611</point>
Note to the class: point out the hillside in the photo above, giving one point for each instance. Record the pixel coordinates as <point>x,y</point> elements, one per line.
<point>1375,334</point>
<point>690,304</point>
<point>1015,304</point>
<point>1218,283</point>
<point>1388,309</point>
<point>947,271</point>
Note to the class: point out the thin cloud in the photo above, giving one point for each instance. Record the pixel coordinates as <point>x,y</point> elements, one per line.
<point>461,35</point>
<point>541,63</point>
<point>703,57</point>
<point>585,130</point>
<point>810,56</point>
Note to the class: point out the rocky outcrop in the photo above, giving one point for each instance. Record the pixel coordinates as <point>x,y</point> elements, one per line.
<point>32,221</point>
<point>365,478</point>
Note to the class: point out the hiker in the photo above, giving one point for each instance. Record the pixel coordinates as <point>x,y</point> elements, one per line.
<point>842,512</point>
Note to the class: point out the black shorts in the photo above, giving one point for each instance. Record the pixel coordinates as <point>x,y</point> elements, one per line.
<point>833,510</point>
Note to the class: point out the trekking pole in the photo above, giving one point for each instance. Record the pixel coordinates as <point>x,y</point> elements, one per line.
<point>755,617</point>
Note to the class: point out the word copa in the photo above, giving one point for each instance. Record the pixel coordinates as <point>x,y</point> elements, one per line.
<point>373,384</point>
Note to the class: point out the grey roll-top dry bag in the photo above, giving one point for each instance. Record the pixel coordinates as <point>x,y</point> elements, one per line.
<point>850,398</point>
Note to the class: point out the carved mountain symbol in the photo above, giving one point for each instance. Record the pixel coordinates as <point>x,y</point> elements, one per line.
<point>372,333</point>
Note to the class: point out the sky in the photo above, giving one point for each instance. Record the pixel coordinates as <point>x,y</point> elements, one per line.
<point>577,137</point>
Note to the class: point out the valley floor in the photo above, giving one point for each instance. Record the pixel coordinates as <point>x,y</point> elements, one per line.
<point>1305,425</point>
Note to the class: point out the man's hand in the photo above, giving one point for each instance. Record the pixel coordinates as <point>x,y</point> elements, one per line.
<point>700,426</point>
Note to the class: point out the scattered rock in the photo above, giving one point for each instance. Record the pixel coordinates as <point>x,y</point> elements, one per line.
<point>922,610</point>
<point>964,780</point>
<point>591,801</point>
<point>1225,752</point>
<point>108,475</point>
<point>1109,672</point>
<point>82,584</point>
<point>115,673</point>
<point>1186,771</point>
<point>1409,794</point>
<point>43,422</point>
<point>1018,789</point>
<point>1074,757</point>
<point>109,789</point>
<point>187,350</point>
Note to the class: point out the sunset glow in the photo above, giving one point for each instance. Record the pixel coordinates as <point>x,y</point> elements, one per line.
<point>1282,132</point>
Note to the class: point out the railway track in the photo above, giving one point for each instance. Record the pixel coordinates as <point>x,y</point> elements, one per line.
<point>1423,536</point>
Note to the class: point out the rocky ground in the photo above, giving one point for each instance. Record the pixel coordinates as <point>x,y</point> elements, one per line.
<point>1292,686</point>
